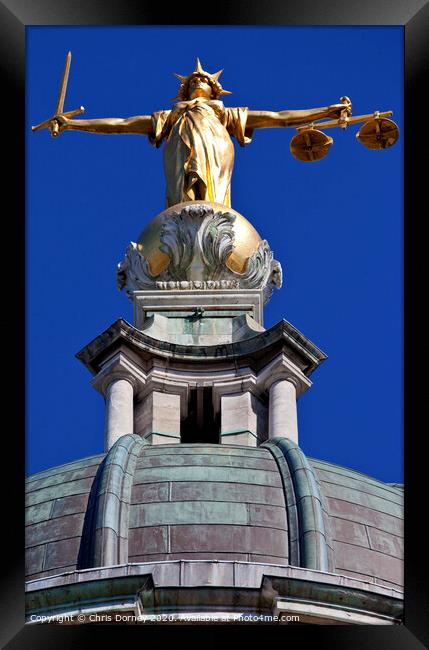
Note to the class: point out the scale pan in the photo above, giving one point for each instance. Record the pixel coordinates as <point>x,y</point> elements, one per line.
<point>310,145</point>
<point>378,133</point>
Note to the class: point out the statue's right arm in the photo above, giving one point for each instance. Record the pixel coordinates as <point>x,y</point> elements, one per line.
<point>139,124</point>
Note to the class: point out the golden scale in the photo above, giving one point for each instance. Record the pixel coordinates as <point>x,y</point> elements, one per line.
<point>378,132</point>
<point>309,144</point>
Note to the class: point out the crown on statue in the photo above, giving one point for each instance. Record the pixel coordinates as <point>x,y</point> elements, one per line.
<point>212,79</point>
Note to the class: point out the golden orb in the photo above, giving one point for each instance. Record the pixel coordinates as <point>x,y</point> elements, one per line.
<point>246,239</point>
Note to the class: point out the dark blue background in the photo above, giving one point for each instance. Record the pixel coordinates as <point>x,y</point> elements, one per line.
<point>335,225</point>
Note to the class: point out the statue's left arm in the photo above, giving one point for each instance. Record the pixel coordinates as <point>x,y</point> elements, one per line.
<point>270,119</point>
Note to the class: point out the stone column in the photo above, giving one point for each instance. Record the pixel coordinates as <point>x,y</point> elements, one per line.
<point>283,420</point>
<point>119,410</point>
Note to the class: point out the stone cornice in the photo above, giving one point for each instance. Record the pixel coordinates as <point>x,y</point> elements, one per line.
<point>281,368</point>
<point>120,366</point>
<point>256,351</point>
<point>246,383</point>
<point>270,589</point>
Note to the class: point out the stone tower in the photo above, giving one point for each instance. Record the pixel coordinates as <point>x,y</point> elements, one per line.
<point>197,365</point>
<point>203,502</point>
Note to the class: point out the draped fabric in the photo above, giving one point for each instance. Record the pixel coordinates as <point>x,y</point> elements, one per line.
<point>199,153</point>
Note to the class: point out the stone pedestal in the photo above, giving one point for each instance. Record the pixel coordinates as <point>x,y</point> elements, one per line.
<point>157,418</point>
<point>119,411</point>
<point>283,420</point>
<point>179,303</point>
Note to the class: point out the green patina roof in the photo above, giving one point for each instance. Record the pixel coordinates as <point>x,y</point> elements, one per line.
<point>354,473</point>
<point>265,504</point>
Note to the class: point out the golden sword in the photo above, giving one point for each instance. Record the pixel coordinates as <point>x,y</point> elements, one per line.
<point>52,124</point>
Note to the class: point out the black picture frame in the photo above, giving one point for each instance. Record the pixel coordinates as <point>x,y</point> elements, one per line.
<point>15,16</point>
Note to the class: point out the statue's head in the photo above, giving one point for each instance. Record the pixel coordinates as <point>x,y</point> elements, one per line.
<point>200,84</point>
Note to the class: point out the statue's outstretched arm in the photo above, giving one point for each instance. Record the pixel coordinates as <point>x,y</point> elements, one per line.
<point>139,124</point>
<point>270,119</point>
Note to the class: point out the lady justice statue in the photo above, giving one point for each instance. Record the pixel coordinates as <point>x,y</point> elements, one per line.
<point>199,237</point>
<point>199,153</point>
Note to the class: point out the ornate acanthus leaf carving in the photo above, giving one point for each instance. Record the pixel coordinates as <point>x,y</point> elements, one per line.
<point>216,241</point>
<point>262,271</point>
<point>258,266</point>
<point>198,242</point>
<point>178,234</point>
<point>133,272</point>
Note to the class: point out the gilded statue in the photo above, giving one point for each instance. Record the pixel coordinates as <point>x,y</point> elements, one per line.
<point>197,130</point>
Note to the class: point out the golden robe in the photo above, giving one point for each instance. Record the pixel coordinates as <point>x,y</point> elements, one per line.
<point>199,153</point>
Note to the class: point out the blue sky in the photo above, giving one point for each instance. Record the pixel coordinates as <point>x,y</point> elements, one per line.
<point>335,225</point>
